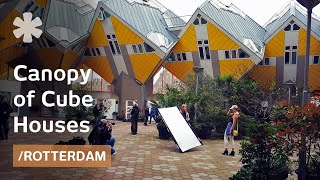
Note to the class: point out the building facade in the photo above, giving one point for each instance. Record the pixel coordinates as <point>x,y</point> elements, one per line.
<point>126,42</point>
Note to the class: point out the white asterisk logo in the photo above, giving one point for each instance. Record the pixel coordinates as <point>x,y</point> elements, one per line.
<point>27,27</point>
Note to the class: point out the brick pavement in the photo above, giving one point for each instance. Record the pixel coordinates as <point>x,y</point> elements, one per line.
<point>143,156</point>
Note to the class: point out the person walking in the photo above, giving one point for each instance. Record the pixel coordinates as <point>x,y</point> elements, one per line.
<point>5,111</point>
<point>229,132</point>
<point>146,114</point>
<point>135,111</point>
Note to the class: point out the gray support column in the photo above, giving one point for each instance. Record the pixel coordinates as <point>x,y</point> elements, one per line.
<point>196,59</point>
<point>300,70</point>
<point>215,64</point>
<point>111,62</point>
<point>127,88</point>
<point>127,61</point>
<point>280,71</point>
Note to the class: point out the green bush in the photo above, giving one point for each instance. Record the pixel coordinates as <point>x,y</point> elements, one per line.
<point>263,153</point>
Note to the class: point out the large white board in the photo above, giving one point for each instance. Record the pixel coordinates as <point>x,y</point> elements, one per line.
<point>181,131</point>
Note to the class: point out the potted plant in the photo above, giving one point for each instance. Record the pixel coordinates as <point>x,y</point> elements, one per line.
<point>202,130</point>
<point>163,130</point>
<point>115,115</point>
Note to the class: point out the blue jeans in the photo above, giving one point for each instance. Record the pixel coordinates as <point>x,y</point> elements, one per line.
<point>111,142</point>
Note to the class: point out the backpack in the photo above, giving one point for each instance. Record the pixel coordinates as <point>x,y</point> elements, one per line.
<point>77,141</point>
<point>74,141</point>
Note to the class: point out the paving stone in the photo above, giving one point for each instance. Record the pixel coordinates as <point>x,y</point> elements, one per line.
<point>138,157</point>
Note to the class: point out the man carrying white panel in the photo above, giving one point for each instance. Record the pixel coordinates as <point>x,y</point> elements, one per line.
<point>180,129</point>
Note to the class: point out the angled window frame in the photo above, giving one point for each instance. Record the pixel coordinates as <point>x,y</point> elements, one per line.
<point>204,49</point>
<point>316,60</point>
<point>114,44</point>
<point>291,55</point>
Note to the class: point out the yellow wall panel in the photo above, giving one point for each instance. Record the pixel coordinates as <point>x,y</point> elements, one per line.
<point>3,70</point>
<point>101,66</point>
<point>50,58</point>
<point>8,55</point>
<point>263,75</point>
<point>188,42</point>
<point>6,30</point>
<point>275,47</point>
<point>180,69</point>
<point>98,38</point>
<point>124,34</point>
<point>314,44</point>
<point>68,59</point>
<point>41,3</point>
<point>236,68</point>
<point>219,40</point>
<point>314,80</point>
<point>11,53</point>
<point>143,65</point>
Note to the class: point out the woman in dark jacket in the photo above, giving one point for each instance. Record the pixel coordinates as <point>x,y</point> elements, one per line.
<point>5,111</point>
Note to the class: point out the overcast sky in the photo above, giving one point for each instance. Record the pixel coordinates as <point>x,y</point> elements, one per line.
<point>259,10</point>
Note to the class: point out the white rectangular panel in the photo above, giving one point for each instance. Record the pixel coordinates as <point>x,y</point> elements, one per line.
<point>179,128</point>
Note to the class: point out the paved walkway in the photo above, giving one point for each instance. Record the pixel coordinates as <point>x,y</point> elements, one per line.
<point>143,156</point>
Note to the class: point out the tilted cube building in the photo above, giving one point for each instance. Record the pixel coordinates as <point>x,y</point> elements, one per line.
<point>126,42</point>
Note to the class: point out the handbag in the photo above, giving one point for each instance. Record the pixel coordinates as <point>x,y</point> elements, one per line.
<point>236,132</point>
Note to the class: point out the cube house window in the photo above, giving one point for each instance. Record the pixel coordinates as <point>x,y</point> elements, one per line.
<point>171,57</point>
<point>179,57</point>
<point>242,54</point>
<point>294,58</point>
<point>140,48</point>
<point>287,58</point>
<point>98,51</point>
<point>234,54</point>
<point>204,50</point>
<point>316,60</point>
<point>134,47</point>
<point>148,48</point>
<point>267,61</point>
<point>184,57</point>
<point>114,46</point>
<point>227,54</point>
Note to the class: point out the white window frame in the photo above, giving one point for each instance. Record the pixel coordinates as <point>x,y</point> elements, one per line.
<point>199,17</point>
<point>95,54</point>
<point>238,54</point>
<point>138,49</point>
<point>290,51</point>
<point>231,54</point>
<point>263,62</point>
<point>203,46</point>
<point>103,15</point>
<point>181,56</point>
<point>112,42</point>
<point>225,54</point>
<point>291,26</point>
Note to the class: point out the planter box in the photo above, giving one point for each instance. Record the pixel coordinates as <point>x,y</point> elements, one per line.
<point>163,132</point>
